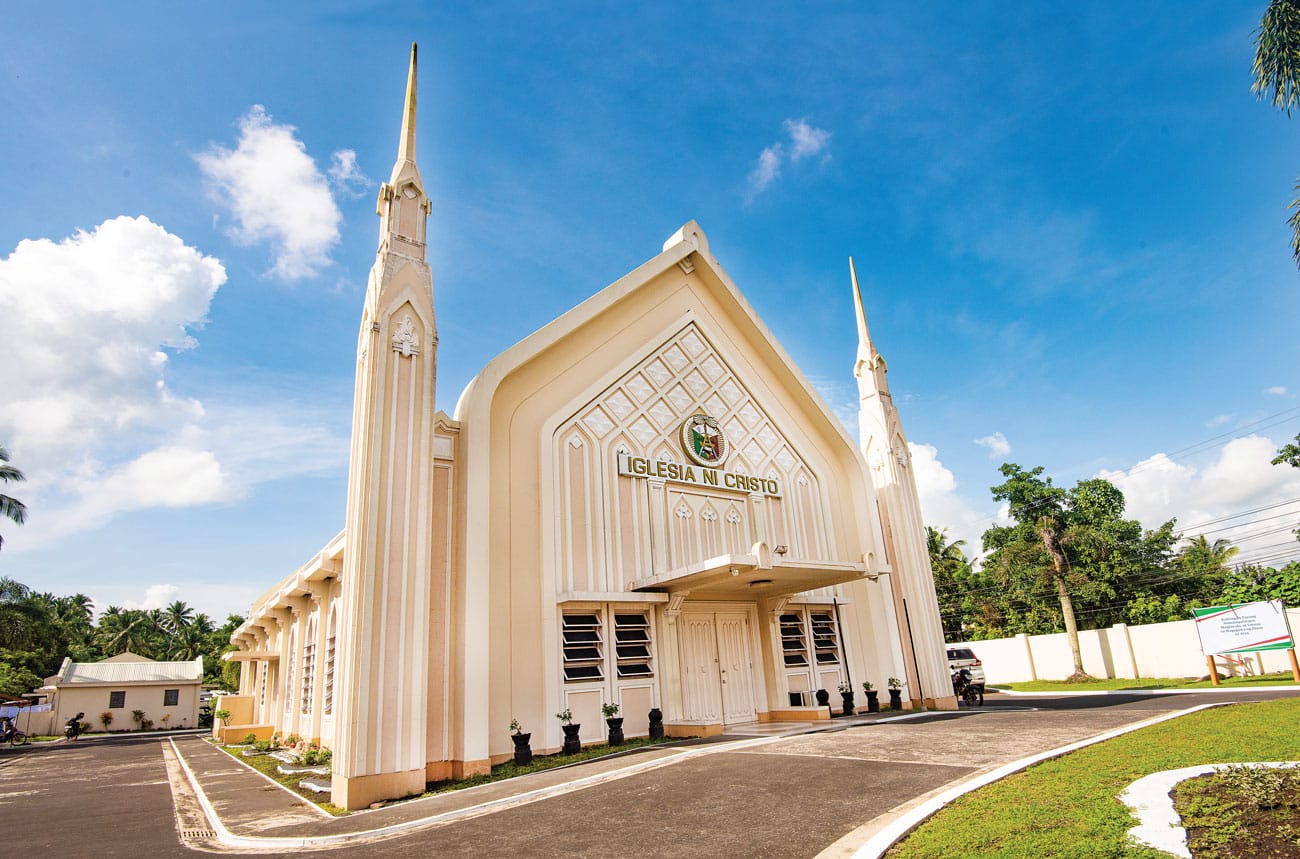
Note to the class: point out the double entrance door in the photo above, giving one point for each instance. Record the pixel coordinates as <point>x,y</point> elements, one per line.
<point>717,670</point>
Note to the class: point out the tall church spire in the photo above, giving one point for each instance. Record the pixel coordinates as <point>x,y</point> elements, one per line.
<point>866,349</point>
<point>886,452</point>
<point>381,741</point>
<point>870,367</point>
<point>406,148</point>
<point>402,205</point>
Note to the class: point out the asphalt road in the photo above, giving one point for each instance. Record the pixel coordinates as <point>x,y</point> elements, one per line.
<point>789,798</point>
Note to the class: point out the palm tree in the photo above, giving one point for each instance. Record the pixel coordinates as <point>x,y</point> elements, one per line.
<point>176,617</point>
<point>10,508</point>
<point>1277,75</point>
<point>941,551</point>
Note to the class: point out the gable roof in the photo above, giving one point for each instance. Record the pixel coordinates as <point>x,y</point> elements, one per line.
<point>123,672</point>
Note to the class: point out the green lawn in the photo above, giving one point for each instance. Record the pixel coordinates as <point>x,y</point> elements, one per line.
<point>1068,806</point>
<point>1148,683</point>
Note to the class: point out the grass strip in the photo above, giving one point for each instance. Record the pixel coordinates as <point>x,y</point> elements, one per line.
<point>506,770</point>
<point>1147,684</point>
<point>1068,806</point>
<point>267,766</point>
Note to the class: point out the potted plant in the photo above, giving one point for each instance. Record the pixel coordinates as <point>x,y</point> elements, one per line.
<point>656,724</point>
<point>873,697</point>
<point>614,722</point>
<point>895,693</point>
<point>572,745</point>
<point>846,695</point>
<point>523,751</point>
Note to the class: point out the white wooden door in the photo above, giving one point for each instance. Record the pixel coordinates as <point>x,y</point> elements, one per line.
<point>701,692</point>
<point>735,669</point>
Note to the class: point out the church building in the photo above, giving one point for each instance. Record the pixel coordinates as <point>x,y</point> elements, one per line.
<point>643,503</point>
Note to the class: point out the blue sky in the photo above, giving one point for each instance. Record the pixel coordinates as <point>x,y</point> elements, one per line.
<point>1070,228</point>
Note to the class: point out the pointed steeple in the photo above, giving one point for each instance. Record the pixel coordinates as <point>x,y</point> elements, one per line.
<point>868,357</point>
<point>406,147</point>
<point>865,347</point>
<point>402,205</point>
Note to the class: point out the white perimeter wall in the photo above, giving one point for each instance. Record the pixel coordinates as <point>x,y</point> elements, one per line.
<point>1150,650</point>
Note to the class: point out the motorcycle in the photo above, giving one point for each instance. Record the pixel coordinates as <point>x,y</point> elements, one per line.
<point>9,733</point>
<point>73,727</point>
<point>964,689</point>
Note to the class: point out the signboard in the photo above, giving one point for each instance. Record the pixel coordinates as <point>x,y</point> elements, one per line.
<point>1243,628</point>
<point>697,475</point>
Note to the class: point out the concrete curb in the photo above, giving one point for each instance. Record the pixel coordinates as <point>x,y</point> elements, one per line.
<point>1159,825</point>
<point>1215,690</point>
<point>883,839</point>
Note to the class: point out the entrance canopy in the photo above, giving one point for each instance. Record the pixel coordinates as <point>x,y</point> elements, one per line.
<point>748,576</point>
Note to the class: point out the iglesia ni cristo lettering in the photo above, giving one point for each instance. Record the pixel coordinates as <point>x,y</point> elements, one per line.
<point>644,503</point>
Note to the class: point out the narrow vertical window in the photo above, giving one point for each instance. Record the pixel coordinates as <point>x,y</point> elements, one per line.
<point>632,645</point>
<point>794,647</point>
<point>826,639</point>
<point>583,659</point>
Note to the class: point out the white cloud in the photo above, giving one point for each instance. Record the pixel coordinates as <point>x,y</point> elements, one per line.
<point>86,410</point>
<point>1277,391</point>
<point>942,505</point>
<point>1218,421</point>
<point>766,171</point>
<point>276,193</point>
<point>804,141</point>
<point>1240,479</point>
<point>996,443</point>
<point>346,176</point>
<point>155,596</point>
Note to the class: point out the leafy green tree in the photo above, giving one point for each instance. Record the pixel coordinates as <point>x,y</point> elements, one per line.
<point>1277,74</point>
<point>1289,453</point>
<point>10,508</point>
<point>952,575</point>
<point>1073,543</point>
<point>1254,583</point>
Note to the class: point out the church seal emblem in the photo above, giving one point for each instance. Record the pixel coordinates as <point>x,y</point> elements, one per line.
<point>703,441</point>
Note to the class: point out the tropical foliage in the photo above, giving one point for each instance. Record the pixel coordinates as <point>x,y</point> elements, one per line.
<point>1072,554</point>
<point>10,508</point>
<point>37,630</point>
<point>1277,74</point>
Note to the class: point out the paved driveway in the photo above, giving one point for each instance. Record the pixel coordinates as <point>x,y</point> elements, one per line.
<point>791,797</point>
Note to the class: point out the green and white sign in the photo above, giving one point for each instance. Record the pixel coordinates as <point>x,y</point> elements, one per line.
<point>1244,628</point>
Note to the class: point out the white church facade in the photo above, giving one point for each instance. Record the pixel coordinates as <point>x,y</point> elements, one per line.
<point>643,503</point>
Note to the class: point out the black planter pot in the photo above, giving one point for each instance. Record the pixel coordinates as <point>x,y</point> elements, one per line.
<point>656,724</point>
<point>571,743</point>
<point>848,702</point>
<point>873,701</point>
<point>823,698</point>
<point>615,730</point>
<point>896,698</point>
<point>523,751</point>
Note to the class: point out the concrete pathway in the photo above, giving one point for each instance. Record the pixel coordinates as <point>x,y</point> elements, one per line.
<point>824,792</point>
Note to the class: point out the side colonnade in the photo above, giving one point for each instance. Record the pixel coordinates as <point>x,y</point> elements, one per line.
<point>287,651</point>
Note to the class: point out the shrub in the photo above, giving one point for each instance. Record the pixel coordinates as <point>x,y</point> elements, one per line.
<point>106,718</point>
<point>138,715</point>
<point>1260,786</point>
<point>249,739</point>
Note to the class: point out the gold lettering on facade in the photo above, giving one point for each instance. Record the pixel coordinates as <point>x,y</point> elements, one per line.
<point>640,466</point>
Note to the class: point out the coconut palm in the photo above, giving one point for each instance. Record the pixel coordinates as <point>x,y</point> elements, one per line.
<point>176,617</point>
<point>1277,75</point>
<point>10,508</point>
